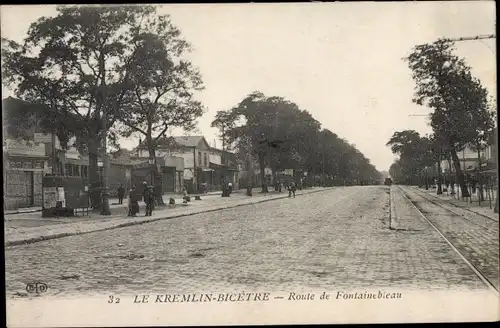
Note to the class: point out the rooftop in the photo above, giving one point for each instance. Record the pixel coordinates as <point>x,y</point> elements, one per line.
<point>172,142</point>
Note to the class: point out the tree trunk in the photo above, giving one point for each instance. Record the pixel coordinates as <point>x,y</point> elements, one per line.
<point>53,153</point>
<point>439,180</point>
<point>262,165</point>
<point>250,174</point>
<point>450,177</point>
<point>94,177</point>
<point>101,101</point>
<point>479,180</point>
<point>426,180</point>
<point>459,173</point>
<point>156,176</point>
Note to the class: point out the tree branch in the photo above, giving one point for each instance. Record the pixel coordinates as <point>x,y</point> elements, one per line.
<point>134,127</point>
<point>162,132</point>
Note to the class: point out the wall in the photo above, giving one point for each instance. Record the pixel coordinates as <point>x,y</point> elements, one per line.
<point>23,181</point>
<point>205,158</point>
<point>24,166</point>
<point>215,158</point>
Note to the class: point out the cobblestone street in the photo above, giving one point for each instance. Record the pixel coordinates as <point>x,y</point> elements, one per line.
<point>334,239</point>
<point>475,236</point>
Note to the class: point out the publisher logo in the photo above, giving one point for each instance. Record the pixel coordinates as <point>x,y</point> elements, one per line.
<point>36,287</point>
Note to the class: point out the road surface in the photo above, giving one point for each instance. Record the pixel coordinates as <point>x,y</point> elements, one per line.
<point>332,240</point>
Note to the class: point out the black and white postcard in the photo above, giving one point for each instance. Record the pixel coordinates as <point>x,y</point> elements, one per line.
<point>229,164</point>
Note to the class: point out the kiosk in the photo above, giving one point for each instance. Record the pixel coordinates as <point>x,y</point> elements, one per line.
<point>62,196</point>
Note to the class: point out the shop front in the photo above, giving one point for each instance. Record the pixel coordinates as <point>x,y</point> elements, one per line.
<point>23,181</point>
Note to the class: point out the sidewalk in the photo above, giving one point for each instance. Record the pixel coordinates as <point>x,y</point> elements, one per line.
<point>30,228</point>
<point>113,201</point>
<point>483,209</point>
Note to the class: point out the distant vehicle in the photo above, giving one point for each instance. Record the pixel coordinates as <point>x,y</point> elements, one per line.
<point>388,181</point>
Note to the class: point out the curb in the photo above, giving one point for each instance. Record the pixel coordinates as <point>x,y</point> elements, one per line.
<point>133,223</point>
<point>22,212</point>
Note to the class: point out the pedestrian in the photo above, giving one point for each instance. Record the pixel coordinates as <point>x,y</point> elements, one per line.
<point>185,197</point>
<point>144,190</point>
<point>229,188</point>
<point>121,193</point>
<point>149,200</point>
<point>133,204</point>
<point>291,189</point>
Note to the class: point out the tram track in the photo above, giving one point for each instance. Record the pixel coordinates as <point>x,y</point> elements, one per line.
<point>484,277</point>
<point>465,217</point>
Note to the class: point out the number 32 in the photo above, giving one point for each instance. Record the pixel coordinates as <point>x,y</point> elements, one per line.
<point>112,299</point>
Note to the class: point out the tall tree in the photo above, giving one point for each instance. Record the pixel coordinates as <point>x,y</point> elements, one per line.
<point>445,84</point>
<point>413,152</point>
<point>77,63</point>
<point>160,92</point>
<point>281,136</point>
<point>279,132</point>
<point>225,122</point>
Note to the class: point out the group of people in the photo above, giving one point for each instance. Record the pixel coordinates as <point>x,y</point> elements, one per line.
<point>134,197</point>
<point>290,186</point>
<point>149,198</point>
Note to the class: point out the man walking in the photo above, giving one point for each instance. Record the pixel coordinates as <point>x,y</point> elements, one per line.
<point>121,193</point>
<point>291,189</point>
<point>148,199</point>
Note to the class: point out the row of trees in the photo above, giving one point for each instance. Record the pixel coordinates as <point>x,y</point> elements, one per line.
<point>104,72</point>
<point>279,135</point>
<point>463,115</point>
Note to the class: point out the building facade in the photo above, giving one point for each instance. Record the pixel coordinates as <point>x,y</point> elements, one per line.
<point>195,152</point>
<point>224,169</point>
<point>24,165</point>
<point>469,159</point>
<point>26,160</point>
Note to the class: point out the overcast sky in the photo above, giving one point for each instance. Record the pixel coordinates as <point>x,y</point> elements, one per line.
<point>340,61</point>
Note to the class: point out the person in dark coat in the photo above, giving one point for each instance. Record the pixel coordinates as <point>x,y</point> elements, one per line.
<point>133,204</point>
<point>148,199</point>
<point>121,194</point>
<point>291,189</point>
